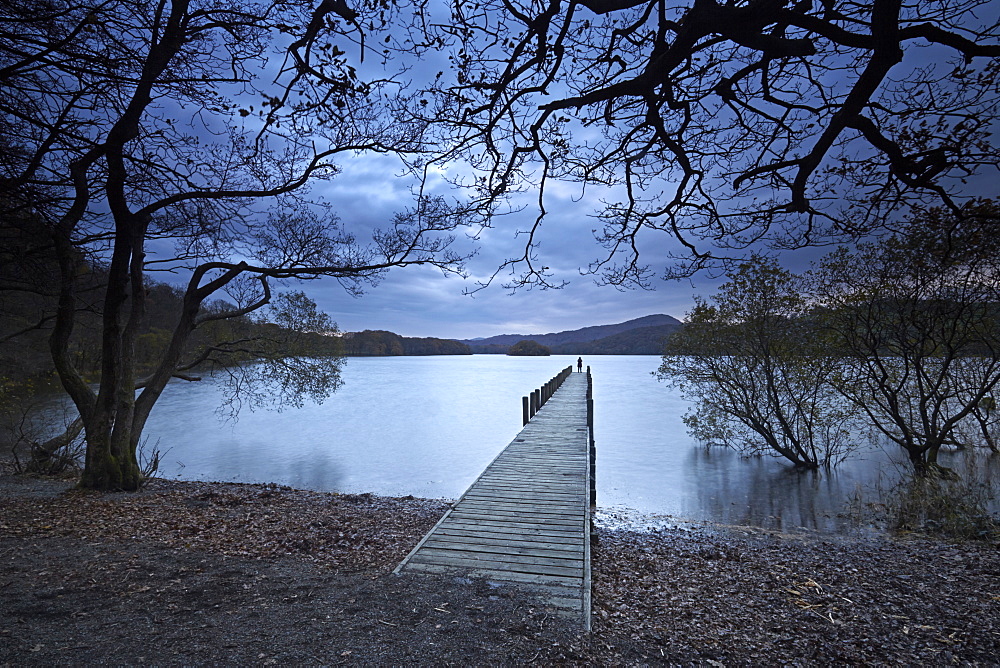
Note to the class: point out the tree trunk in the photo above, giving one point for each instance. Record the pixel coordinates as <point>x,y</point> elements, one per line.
<point>105,470</point>
<point>985,428</point>
<point>925,462</point>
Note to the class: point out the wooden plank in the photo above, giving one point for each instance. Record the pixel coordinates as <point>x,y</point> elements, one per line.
<point>527,507</point>
<point>563,495</point>
<point>565,602</point>
<point>567,495</point>
<point>539,495</point>
<point>493,523</point>
<point>522,514</point>
<point>520,510</point>
<point>550,466</point>
<point>536,482</point>
<point>536,479</point>
<point>554,465</point>
<point>516,518</point>
<point>554,492</point>
<point>558,461</point>
<point>561,461</point>
<point>529,482</point>
<point>491,574</point>
<point>498,530</point>
<point>545,543</point>
<point>532,472</point>
<point>563,543</point>
<point>497,562</point>
<point>522,475</point>
<point>513,561</point>
<point>574,509</point>
<point>486,522</point>
<point>553,551</point>
<point>563,487</point>
<point>553,508</point>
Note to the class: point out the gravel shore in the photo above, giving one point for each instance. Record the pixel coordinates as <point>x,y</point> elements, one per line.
<point>186,573</point>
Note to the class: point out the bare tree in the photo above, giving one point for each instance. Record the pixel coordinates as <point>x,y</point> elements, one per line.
<point>758,374</point>
<point>195,128</point>
<point>725,125</point>
<point>916,319</point>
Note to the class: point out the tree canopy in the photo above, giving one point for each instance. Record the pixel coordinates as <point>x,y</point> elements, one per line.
<point>758,371</point>
<point>916,319</point>
<point>725,125</point>
<point>375,343</point>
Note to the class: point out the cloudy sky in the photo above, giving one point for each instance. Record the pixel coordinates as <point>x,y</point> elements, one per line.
<point>419,301</point>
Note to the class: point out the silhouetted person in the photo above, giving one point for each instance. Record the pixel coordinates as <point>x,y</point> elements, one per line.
<point>579,365</point>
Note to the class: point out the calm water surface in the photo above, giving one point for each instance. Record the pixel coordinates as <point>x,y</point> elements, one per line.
<point>427,426</point>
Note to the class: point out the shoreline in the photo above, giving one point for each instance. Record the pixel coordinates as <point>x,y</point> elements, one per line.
<point>235,573</point>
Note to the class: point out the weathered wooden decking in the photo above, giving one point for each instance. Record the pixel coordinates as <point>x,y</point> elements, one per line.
<point>526,520</point>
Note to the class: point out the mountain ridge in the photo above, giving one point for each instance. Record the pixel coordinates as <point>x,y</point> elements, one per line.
<point>581,335</point>
<point>639,341</point>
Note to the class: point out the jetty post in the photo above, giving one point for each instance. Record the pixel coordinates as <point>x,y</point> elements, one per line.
<point>592,446</point>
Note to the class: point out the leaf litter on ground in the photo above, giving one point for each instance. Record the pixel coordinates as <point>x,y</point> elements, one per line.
<point>194,573</point>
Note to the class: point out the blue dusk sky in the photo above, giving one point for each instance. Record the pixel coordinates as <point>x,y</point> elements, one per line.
<point>421,301</point>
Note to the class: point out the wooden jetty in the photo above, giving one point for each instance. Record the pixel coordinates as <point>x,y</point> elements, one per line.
<point>526,519</point>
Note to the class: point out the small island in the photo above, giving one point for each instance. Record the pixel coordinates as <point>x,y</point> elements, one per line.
<point>529,348</point>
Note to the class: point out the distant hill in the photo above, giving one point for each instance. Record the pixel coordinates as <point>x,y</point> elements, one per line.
<point>639,341</point>
<point>641,336</point>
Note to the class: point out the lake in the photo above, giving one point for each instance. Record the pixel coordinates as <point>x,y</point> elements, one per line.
<point>428,426</point>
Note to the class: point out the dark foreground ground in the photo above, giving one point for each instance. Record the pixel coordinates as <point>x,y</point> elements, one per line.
<point>210,573</point>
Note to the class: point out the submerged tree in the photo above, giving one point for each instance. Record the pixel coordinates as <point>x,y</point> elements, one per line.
<point>725,125</point>
<point>757,372</point>
<point>902,337</point>
<point>917,319</point>
<point>183,135</point>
